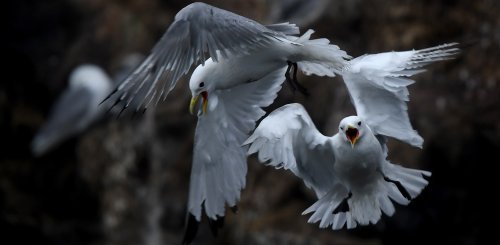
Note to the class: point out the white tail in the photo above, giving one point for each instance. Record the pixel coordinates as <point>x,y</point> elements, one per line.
<point>366,206</point>
<point>319,57</point>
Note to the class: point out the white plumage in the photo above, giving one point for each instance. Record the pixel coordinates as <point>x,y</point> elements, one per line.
<point>349,172</point>
<point>234,49</point>
<point>338,168</point>
<point>377,85</point>
<point>246,66</point>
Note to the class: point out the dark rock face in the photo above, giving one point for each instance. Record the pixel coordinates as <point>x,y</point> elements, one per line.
<point>125,181</point>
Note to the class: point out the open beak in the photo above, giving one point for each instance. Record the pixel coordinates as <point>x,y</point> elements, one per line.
<point>204,102</point>
<point>352,134</point>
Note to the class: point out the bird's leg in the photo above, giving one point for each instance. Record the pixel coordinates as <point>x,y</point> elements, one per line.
<point>294,83</point>
<point>301,88</point>
<point>288,78</point>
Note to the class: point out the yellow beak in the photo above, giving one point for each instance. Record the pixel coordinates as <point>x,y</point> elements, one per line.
<point>352,134</point>
<point>204,102</point>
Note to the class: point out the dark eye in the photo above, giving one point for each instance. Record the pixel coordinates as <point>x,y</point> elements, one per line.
<point>341,128</point>
<point>202,84</point>
<point>359,123</point>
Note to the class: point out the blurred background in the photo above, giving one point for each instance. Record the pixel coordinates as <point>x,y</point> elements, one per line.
<point>125,181</point>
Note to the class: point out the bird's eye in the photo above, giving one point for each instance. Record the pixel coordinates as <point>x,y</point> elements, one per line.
<point>359,123</point>
<point>341,128</point>
<point>202,84</point>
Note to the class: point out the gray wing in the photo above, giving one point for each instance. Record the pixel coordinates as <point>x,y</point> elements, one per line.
<point>378,84</point>
<point>219,160</point>
<point>69,116</point>
<point>287,138</point>
<point>198,29</point>
<point>285,28</point>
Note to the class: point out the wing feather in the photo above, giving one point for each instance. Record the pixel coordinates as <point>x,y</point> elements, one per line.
<point>287,138</point>
<point>198,29</point>
<point>378,83</point>
<point>219,161</point>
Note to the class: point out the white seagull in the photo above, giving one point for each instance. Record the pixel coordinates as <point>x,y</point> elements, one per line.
<point>240,50</point>
<point>248,62</point>
<point>348,171</point>
<point>76,109</point>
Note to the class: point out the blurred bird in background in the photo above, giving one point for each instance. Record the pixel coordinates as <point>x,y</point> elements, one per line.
<point>79,105</point>
<point>76,109</point>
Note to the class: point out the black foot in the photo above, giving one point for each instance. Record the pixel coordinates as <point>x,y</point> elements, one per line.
<point>234,209</point>
<point>400,188</point>
<point>294,83</point>
<point>191,230</point>
<point>343,207</point>
<point>215,225</point>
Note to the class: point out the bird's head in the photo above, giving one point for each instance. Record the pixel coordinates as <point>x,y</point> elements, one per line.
<point>90,77</point>
<point>352,129</point>
<point>200,86</point>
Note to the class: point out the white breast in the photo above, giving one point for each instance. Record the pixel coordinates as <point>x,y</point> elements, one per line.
<point>357,167</point>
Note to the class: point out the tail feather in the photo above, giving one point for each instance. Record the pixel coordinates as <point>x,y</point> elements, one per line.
<point>324,207</point>
<point>386,205</point>
<point>365,209</point>
<point>366,206</point>
<point>339,221</point>
<point>319,57</point>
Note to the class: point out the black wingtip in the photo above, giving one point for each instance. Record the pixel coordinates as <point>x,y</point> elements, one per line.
<point>215,225</point>
<point>121,111</point>
<point>109,96</point>
<point>191,230</point>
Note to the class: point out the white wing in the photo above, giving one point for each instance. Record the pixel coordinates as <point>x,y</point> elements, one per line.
<point>378,83</point>
<point>198,29</point>
<point>288,139</point>
<point>219,161</point>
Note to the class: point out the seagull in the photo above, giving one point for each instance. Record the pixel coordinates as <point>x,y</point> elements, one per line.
<point>241,65</point>
<point>76,108</point>
<point>352,179</point>
<point>349,172</point>
<point>78,105</point>
<point>229,50</point>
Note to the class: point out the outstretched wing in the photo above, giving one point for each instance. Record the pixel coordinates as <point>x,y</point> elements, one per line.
<point>219,161</point>
<point>378,83</point>
<point>287,138</point>
<point>197,30</point>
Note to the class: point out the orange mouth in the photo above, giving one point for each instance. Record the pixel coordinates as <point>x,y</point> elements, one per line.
<point>352,135</point>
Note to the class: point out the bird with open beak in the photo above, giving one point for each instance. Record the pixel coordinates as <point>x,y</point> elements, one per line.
<point>194,100</point>
<point>353,180</point>
<point>352,134</point>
